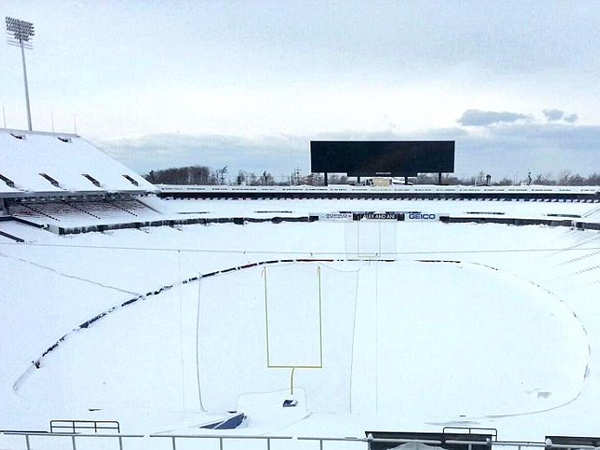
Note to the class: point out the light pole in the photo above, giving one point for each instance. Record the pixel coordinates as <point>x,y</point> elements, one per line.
<point>19,34</point>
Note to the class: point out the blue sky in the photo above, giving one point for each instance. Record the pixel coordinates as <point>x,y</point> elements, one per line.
<point>248,84</point>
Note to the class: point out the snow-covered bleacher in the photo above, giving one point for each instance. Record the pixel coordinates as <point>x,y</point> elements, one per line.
<point>57,210</point>
<point>134,207</point>
<point>105,210</point>
<point>25,212</point>
<point>65,184</point>
<point>75,213</point>
<point>120,209</point>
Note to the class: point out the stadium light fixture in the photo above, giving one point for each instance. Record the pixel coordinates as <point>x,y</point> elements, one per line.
<point>19,33</point>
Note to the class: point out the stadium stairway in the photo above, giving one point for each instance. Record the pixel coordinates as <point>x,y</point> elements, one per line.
<point>122,208</point>
<point>72,205</point>
<point>37,211</point>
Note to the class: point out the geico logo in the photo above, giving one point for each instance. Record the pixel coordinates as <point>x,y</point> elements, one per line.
<point>421,216</point>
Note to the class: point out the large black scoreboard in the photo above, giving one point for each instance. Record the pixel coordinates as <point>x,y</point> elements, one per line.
<point>382,158</point>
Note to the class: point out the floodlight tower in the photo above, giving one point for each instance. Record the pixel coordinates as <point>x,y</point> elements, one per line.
<point>19,34</point>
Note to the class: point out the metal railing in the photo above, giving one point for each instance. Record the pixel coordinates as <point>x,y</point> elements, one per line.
<point>369,440</point>
<point>76,425</point>
<point>221,439</point>
<point>526,444</point>
<point>322,441</point>
<point>472,431</point>
<point>74,437</point>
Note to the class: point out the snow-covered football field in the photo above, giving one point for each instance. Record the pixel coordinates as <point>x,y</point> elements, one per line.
<point>406,326</point>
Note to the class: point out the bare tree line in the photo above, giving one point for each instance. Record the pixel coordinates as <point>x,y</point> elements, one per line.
<point>190,175</point>
<point>203,175</point>
<point>564,178</point>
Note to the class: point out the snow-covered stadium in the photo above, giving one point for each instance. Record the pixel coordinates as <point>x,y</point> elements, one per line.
<point>341,317</point>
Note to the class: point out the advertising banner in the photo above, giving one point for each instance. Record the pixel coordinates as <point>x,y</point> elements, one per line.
<point>422,216</point>
<point>381,216</point>
<point>335,217</point>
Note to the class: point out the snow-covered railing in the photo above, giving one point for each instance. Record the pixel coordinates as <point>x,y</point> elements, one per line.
<point>369,441</point>
<point>118,439</point>
<point>519,445</point>
<point>165,188</point>
<point>77,425</point>
<point>497,193</point>
<point>221,438</point>
<point>133,441</point>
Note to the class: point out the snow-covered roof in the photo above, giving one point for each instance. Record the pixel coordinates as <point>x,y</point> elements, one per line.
<point>33,162</point>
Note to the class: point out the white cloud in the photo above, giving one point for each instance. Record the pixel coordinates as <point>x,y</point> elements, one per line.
<point>478,118</point>
<point>571,118</point>
<point>552,115</point>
